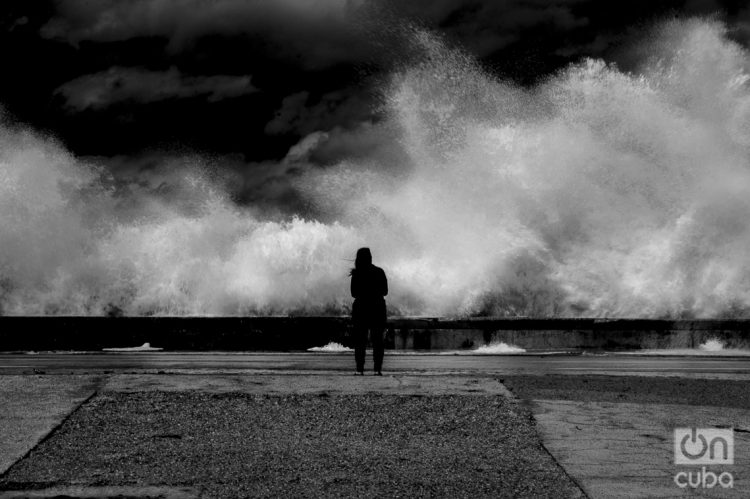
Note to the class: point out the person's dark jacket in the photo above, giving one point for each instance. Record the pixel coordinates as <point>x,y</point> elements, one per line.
<point>369,286</point>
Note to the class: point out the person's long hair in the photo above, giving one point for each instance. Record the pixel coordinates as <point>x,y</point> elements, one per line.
<point>362,261</point>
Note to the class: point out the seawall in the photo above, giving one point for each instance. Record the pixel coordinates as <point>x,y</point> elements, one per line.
<point>301,333</point>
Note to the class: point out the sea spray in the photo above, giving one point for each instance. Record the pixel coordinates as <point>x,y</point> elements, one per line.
<point>596,193</point>
<point>331,347</point>
<point>498,348</point>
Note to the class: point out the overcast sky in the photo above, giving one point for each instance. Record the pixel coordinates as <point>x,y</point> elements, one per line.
<point>127,80</point>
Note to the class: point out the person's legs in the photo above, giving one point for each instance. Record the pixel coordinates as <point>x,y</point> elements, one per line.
<point>360,343</point>
<point>376,336</point>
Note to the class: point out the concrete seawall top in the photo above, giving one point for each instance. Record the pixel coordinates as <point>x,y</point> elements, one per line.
<point>300,333</point>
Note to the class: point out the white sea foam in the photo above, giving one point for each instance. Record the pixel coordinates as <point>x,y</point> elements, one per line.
<point>146,347</point>
<point>498,348</point>
<point>596,193</point>
<point>331,347</point>
<point>711,347</point>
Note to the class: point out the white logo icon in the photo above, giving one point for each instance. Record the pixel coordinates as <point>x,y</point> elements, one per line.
<point>700,446</point>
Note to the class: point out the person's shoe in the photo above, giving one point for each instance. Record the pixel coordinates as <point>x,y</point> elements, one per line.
<point>378,373</point>
<point>359,373</point>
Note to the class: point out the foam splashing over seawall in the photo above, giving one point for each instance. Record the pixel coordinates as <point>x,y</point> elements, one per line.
<point>597,193</point>
<point>712,347</point>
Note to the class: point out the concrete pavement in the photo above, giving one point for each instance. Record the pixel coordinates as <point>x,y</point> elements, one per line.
<point>612,436</point>
<point>623,450</point>
<point>32,406</point>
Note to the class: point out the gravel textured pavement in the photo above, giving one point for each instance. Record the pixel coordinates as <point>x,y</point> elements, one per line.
<point>313,445</point>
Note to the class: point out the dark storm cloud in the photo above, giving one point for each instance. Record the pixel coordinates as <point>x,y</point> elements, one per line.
<point>314,33</point>
<point>321,33</point>
<point>299,113</point>
<point>317,33</point>
<point>78,67</point>
<point>117,84</point>
<point>486,27</point>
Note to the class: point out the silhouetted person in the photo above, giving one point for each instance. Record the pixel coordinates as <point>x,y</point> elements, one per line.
<point>369,286</point>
